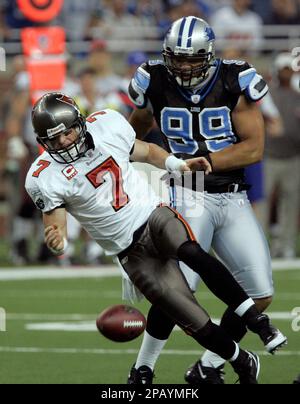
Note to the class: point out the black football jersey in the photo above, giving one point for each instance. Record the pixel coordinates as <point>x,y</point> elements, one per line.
<point>197,123</point>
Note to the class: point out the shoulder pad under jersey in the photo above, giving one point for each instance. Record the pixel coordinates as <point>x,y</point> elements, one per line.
<point>242,78</point>
<point>253,84</point>
<point>155,62</point>
<point>139,85</point>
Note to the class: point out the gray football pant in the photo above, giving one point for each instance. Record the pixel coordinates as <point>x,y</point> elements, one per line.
<point>152,267</point>
<point>227,223</point>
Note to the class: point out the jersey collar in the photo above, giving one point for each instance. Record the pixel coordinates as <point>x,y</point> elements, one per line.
<point>197,95</point>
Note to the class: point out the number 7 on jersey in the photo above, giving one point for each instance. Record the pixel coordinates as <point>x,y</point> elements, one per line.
<point>120,198</point>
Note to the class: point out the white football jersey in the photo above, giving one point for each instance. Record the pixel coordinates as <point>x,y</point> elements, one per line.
<point>102,190</point>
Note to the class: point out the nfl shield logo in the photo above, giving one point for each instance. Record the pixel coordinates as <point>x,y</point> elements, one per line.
<point>195,98</point>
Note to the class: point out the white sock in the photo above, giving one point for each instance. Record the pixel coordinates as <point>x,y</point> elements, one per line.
<point>212,360</point>
<point>245,306</point>
<point>236,354</point>
<point>149,351</point>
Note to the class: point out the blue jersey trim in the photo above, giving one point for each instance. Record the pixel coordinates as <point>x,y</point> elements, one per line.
<point>142,80</point>
<point>245,80</point>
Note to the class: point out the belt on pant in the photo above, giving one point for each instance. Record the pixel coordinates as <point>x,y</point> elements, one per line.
<point>231,188</point>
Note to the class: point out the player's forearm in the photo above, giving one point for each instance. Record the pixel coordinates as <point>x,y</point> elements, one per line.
<point>55,234</point>
<point>237,156</point>
<point>156,156</point>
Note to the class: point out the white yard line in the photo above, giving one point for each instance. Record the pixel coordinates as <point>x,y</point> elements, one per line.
<point>99,351</point>
<point>10,274</point>
<point>29,273</point>
<point>281,315</point>
<point>282,264</point>
<point>90,326</point>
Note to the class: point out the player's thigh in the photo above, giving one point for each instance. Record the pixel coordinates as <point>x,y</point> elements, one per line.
<point>203,229</point>
<point>169,231</point>
<point>163,284</point>
<point>198,213</point>
<point>242,246</point>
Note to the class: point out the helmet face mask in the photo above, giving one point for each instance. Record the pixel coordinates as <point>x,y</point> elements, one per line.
<point>189,71</point>
<point>67,154</point>
<point>56,115</point>
<point>189,51</point>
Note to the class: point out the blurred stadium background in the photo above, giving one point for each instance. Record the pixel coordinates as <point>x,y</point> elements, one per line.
<point>50,304</point>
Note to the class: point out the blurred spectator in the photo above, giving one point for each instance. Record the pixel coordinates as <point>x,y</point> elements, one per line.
<point>192,7</point>
<point>238,23</point>
<point>146,10</point>
<point>284,12</point>
<point>75,17</point>
<point>254,174</point>
<point>175,9</point>
<point>21,151</point>
<point>89,99</point>
<point>12,18</point>
<point>263,8</point>
<point>100,60</point>
<point>282,163</point>
<point>114,21</point>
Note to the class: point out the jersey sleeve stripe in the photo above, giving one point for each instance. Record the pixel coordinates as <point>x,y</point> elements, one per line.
<point>142,79</point>
<point>246,77</point>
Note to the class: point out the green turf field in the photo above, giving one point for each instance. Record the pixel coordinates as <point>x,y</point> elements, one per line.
<point>37,348</point>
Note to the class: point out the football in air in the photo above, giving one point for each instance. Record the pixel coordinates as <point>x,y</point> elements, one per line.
<point>121,323</point>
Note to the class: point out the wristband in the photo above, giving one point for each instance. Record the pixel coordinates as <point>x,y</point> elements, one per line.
<point>173,164</point>
<point>62,251</point>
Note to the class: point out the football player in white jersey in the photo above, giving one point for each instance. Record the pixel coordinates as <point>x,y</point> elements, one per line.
<point>86,171</point>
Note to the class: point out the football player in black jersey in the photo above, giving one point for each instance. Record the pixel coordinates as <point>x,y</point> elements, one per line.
<point>205,106</point>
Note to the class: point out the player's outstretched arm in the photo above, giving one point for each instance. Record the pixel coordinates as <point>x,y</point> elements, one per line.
<point>249,125</point>
<point>55,230</point>
<point>152,154</point>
